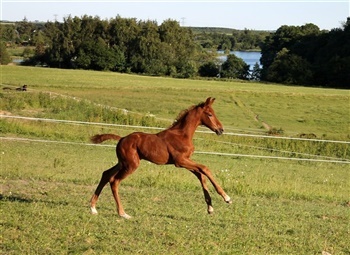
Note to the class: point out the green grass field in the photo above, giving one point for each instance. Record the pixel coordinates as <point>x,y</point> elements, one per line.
<point>279,206</point>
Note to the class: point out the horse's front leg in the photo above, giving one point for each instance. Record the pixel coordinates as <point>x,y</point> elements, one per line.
<point>203,170</point>
<point>207,197</point>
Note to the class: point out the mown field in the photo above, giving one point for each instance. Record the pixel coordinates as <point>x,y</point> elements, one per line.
<point>49,170</point>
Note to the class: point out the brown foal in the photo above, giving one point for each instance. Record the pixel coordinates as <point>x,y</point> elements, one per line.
<point>171,146</point>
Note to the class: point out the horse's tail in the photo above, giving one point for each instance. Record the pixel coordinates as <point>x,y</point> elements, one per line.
<point>104,137</point>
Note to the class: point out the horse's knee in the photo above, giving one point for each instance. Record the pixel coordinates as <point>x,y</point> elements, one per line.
<point>106,176</point>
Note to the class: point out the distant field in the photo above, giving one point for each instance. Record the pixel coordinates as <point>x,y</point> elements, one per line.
<point>296,110</point>
<point>279,206</point>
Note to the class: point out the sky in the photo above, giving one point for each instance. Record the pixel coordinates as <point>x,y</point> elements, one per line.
<point>237,14</point>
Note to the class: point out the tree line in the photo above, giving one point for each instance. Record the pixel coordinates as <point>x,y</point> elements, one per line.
<point>302,55</point>
<point>119,44</point>
<point>305,55</point>
<point>226,39</point>
<point>123,45</point>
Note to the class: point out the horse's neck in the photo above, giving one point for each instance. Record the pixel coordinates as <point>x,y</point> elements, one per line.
<point>189,124</point>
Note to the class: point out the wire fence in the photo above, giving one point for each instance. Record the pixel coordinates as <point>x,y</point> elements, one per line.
<point>317,158</point>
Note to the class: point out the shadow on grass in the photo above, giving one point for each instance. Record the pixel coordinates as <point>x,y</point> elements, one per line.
<point>15,199</point>
<point>27,200</point>
<point>171,217</point>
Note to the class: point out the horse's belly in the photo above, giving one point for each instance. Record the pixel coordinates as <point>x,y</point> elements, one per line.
<point>153,149</point>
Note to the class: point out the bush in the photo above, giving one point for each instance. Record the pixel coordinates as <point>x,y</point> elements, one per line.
<point>209,69</point>
<point>289,69</point>
<point>4,56</point>
<point>235,68</point>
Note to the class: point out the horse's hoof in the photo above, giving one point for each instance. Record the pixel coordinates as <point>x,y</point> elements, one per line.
<point>210,209</point>
<point>228,199</point>
<point>125,216</point>
<point>93,210</point>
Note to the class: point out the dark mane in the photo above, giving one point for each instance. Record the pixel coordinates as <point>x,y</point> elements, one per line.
<point>184,113</point>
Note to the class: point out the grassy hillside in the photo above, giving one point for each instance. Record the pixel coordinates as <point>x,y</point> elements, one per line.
<point>49,170</point>
<point>295,110</point>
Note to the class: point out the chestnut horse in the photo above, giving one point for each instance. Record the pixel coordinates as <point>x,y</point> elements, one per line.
<point>171,146</point>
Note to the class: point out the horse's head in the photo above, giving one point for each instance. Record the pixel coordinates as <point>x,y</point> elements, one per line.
<point>209,118</point>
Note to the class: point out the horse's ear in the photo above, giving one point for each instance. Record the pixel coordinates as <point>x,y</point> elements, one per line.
<point>209,101</point>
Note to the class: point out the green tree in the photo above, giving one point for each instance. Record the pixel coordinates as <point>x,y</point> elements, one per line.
<point>4,56</point>
<point>25,30</point>
<point>235,68</point>
<point>209,69</point>
<point>54,52</point>
<point>256,72</point>
<point>8,33</point>
<point>290,69</point>
<point>331,61</point>
<point>119,45</point>
<point>180,48</point>
<point>290,37</point>
<point>39,40</point>
<point>188,69</point>
<point>145,57</point>
<point>123,33</point>
<point>97,56</point>
<point>307,56</point>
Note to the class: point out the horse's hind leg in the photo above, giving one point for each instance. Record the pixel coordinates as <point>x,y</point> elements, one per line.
<point>122,174</point>
<point>106,177</point>
<point>115,191</point>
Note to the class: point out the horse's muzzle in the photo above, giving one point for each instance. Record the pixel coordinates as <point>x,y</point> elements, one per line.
<point>219,131</point>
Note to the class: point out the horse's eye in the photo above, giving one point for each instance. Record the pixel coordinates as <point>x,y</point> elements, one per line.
<point>210,115</point>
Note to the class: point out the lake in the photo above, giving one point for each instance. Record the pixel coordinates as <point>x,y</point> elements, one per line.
<point>249,57</point>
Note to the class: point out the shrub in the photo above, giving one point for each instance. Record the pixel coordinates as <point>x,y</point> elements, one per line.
<point>209,69</point>
<point>4,56</point>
